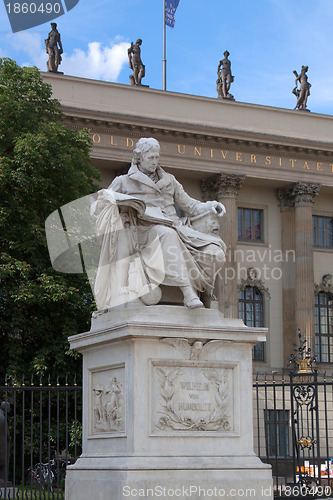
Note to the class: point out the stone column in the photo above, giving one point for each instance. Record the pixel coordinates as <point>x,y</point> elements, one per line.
<point>224,188</point>
<point>288,270</point>
<point>304,194</point>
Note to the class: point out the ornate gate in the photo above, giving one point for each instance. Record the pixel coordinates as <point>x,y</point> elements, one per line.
<point>305,416</point>
<point>293,426</point>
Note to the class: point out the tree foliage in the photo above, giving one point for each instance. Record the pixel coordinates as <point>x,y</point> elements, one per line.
<point>43,165</point>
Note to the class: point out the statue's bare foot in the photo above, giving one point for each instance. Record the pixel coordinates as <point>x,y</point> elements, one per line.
<point>191,299</point>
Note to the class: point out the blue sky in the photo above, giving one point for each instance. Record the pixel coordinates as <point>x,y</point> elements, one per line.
<point>267,40</point>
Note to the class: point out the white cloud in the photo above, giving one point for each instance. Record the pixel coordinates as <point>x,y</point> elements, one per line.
<point>97,61</point>
<point>101,63</point>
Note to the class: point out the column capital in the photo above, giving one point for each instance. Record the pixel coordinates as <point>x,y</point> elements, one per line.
<point>286,198</point>
<point>304,193</point>
<point>222,185</point>
<point>301,194</point>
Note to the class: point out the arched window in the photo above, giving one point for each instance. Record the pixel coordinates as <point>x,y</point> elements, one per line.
<point>324,327</point>
<point>250,310</point>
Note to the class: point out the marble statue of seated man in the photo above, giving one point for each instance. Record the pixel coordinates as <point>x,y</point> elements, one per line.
<point>148,243</point>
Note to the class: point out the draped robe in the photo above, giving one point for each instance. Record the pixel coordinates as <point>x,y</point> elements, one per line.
<point>167,250</point>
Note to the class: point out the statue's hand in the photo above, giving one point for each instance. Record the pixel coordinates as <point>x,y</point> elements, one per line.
<point>216,207</point>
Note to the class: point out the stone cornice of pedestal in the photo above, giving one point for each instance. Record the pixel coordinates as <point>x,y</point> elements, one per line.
<point>222,186</point>
<point>299,195</point>
<point>165,321</point>
<point>151,462</point>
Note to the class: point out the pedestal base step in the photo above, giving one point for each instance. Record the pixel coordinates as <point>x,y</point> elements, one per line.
<point>198,484</point>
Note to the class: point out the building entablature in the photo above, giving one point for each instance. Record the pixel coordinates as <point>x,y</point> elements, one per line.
<point>198,133</point>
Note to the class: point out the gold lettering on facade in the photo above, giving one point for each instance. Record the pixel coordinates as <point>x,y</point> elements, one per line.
<point>247,158</point>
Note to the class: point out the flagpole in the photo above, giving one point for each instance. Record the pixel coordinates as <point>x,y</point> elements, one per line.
<point>164,48</point>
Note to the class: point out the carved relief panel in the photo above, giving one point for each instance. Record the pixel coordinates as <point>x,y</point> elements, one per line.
<point>107,401</point>
<point>194,397</point>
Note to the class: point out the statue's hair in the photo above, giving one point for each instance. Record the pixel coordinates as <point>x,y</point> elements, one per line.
<point>142,146</point>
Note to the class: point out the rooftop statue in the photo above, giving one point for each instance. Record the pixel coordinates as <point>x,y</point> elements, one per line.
<point>135,63</point>
<point>144,241</point>
<point>303,93</point>
<point>224,78</point>
<point>53,49</point>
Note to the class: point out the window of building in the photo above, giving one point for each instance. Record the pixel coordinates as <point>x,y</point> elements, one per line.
<point>277,433</point>
<point>250,224</point>
<point>250,310</point>
<point>322,231</point>
<point>324,327</point>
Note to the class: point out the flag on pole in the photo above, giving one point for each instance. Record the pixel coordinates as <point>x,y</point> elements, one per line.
<point>170,10</point>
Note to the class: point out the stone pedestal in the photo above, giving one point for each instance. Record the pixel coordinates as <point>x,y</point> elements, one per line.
<point>167,407</point>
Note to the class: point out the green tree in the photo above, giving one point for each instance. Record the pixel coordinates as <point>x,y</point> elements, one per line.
<point>43,165</point>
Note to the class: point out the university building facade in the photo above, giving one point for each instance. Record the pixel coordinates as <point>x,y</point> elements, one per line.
<point>271,168</point>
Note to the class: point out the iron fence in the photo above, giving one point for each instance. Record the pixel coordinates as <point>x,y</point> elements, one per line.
<point>40,433</point>
<point>293,430</point>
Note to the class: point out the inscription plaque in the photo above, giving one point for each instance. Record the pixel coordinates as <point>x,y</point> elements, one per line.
<point>193,397</point>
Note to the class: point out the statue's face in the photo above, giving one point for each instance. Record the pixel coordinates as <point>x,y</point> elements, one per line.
<point>149,160</point>
<point>212,225</point>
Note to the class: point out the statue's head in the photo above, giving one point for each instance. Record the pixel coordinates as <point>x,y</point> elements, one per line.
<point>252,273</point>
<point>143,146</point>
<point>226,53</point>
<point>139,41</point>
<point>207,222</point>
<point>54,26</point>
